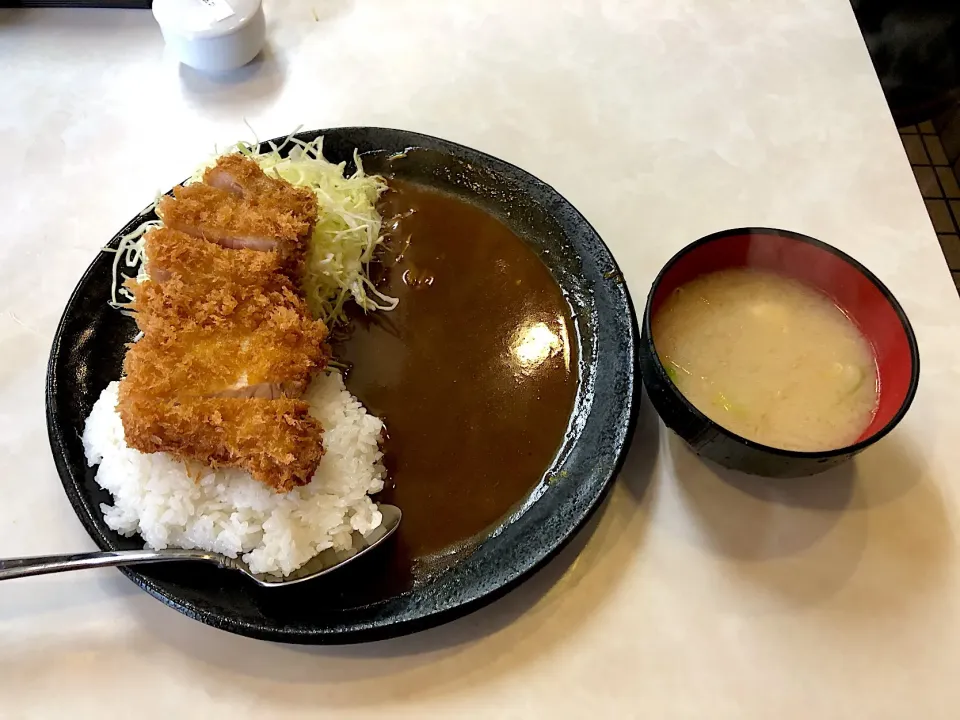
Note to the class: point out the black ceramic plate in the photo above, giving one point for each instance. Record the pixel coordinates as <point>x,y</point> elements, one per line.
<point>88,351</point>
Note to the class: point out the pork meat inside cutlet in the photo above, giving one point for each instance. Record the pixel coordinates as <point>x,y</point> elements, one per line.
<point>277,441</point>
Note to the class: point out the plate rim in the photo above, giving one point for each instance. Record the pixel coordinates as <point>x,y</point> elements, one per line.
<point>377,629</point>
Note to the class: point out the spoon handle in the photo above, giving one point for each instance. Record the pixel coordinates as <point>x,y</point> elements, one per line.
<point>44,564</point>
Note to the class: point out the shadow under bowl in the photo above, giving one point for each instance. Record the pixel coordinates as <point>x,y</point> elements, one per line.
<point>854,289</point>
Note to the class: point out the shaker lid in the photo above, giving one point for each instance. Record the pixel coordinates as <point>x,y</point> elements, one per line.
<point>204,18</point>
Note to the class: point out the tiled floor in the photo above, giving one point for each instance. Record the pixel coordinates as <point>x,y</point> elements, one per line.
<point>939,187</point>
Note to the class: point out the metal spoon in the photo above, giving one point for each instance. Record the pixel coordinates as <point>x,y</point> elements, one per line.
<point>321,564</point>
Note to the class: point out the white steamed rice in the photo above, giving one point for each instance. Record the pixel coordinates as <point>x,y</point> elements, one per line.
<point>229,512</point>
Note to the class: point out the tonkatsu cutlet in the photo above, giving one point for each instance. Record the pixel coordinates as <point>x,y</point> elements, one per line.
<point>277,441</point>
<point>228,342</point>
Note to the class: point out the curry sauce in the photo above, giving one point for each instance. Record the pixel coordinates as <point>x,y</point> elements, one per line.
<point>473,373</point>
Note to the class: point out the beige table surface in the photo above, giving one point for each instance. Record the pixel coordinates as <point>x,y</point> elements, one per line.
<point>688,596</point>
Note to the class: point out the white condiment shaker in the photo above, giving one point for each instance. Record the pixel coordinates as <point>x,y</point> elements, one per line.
<point>212,35</point>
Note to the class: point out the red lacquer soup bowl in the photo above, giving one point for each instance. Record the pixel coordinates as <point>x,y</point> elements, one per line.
<point>854,289</point>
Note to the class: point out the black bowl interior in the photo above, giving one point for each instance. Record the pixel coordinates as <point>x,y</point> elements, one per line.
<point>349,606</point>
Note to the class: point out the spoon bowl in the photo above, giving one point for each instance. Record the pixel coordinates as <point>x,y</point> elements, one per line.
<point>324,562</point>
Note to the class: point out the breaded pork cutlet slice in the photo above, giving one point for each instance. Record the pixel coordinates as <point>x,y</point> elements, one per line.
<point>228,220</point>
<point>243,177</point>
<point>176,306</point>
<point>256,212</point>
<point>204,285</point>
<point>231,357</point>
<point>277,441</point>
<point>173,254</point>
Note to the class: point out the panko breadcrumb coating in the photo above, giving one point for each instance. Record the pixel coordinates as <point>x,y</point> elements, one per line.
<point>276,441</point>
<point>228,342</point>
<point>239,207</point>
<point>171,253</point>
<point>243,177</point>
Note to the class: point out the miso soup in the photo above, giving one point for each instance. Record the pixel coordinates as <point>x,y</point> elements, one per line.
<point>768,358</point>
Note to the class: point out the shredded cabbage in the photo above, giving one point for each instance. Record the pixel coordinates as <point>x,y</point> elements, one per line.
<point>130,250</point>
<point>344,239</point>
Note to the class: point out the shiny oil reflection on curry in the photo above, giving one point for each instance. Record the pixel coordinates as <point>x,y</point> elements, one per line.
<point>474,373</point>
